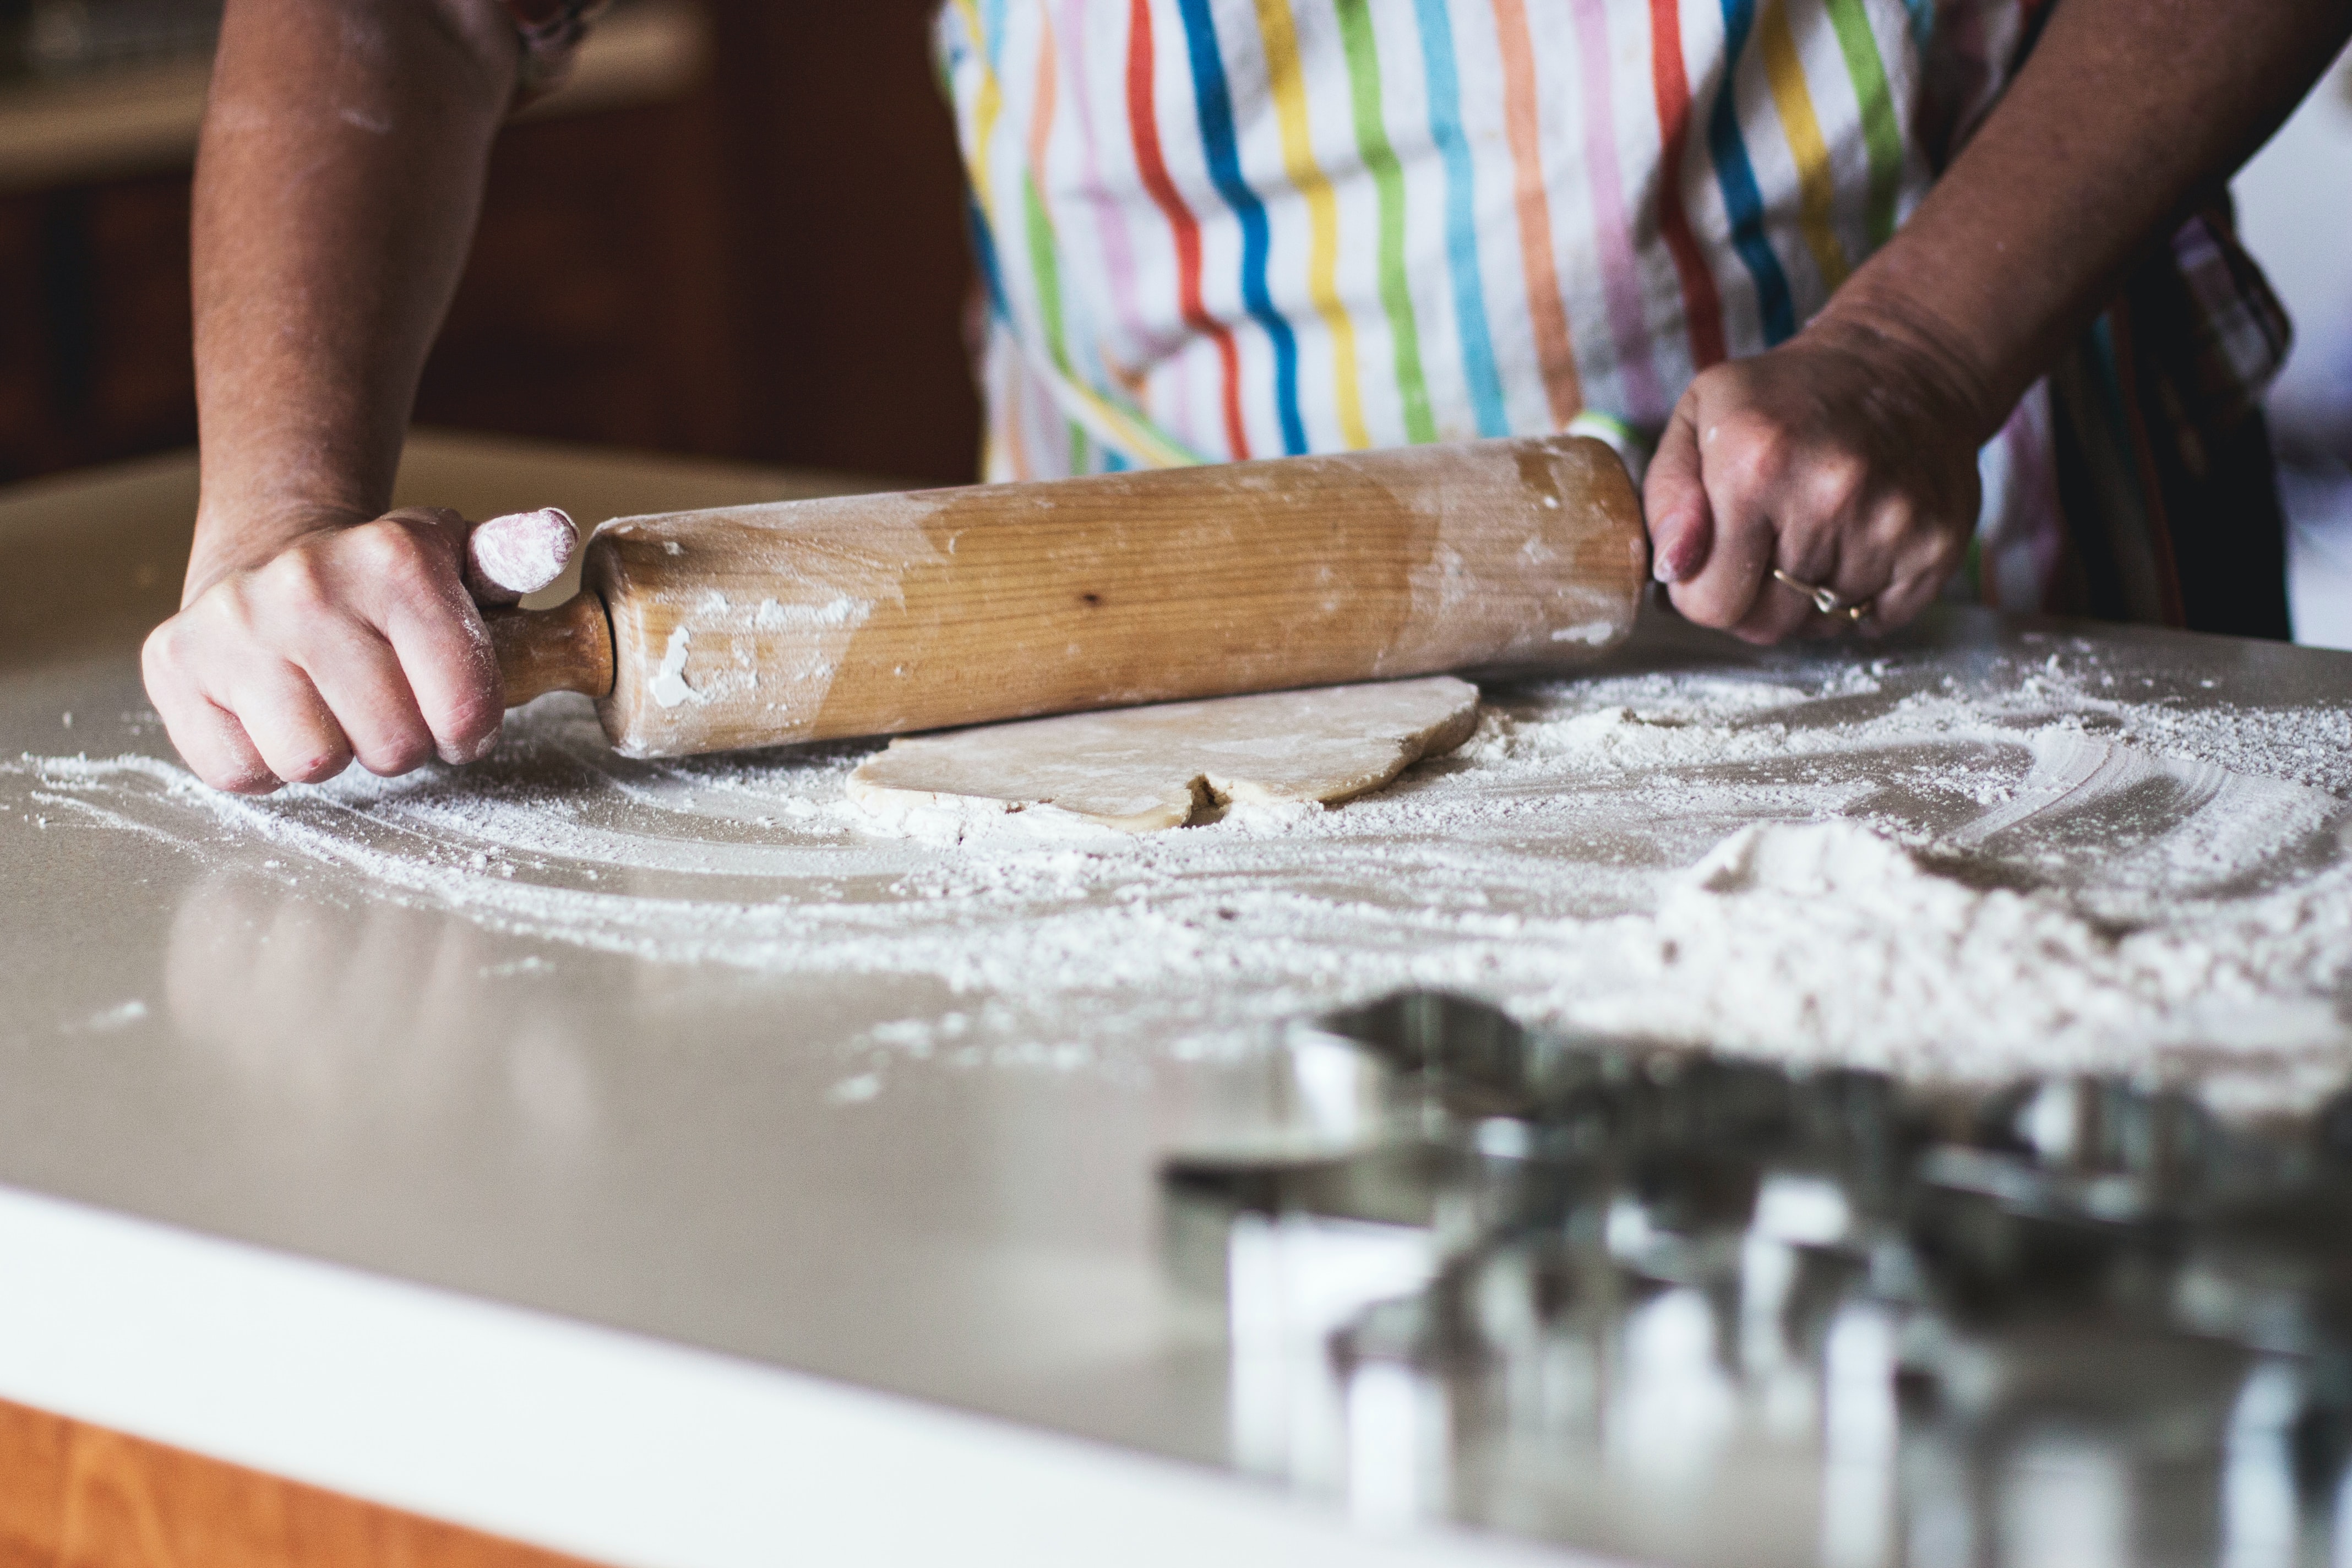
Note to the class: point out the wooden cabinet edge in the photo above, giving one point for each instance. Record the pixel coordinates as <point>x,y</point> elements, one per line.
<point>71,1493</point>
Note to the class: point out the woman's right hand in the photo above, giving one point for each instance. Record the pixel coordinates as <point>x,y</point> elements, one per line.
<point>355,640</point>
<point>339,173</point>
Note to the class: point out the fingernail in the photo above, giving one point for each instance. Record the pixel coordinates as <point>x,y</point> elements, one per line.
<point>1665,563</point>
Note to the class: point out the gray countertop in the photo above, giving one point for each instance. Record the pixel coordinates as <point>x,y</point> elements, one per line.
<point>380,1079</point>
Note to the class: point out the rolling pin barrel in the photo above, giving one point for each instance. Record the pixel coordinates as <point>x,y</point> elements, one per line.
<point>879,615</point>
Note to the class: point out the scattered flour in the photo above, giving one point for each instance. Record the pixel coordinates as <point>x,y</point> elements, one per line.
<point>1832,942</point>
<point>668,686</point>
<point>841,611</point>
<point>2031,868</point>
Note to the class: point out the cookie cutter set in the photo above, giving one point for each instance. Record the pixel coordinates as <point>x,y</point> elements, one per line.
<point>1690,1309</point>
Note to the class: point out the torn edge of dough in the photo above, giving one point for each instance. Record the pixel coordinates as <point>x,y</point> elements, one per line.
<point>1214,795</point>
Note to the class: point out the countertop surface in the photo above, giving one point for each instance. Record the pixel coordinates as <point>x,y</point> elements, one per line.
<point>889,1174</point>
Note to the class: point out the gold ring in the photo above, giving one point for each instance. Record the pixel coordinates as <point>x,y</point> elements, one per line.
<point>1825,600</point>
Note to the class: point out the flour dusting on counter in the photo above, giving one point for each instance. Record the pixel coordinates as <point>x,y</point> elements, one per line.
<point>1822,859</point>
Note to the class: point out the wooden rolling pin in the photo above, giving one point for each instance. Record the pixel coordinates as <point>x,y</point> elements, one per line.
<point>877,615</point>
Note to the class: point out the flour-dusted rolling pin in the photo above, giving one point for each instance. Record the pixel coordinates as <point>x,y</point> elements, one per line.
<point>877,615</point>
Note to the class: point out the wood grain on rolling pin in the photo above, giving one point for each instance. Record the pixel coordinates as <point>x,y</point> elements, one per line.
<point>879,615</point>
<point>568,648</point>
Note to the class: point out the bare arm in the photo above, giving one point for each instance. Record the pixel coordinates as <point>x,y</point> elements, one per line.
<point>1848,454</point>
<point>337,186</point>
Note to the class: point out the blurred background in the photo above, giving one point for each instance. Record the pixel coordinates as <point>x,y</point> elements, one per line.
<point>2294,207</point>
<point>738,232</point>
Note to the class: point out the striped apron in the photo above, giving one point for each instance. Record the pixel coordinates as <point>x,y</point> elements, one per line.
<point>1214,229</point>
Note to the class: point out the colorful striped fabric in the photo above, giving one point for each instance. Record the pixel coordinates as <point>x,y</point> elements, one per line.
<point>1215,229</point>
<point>1228,228</point>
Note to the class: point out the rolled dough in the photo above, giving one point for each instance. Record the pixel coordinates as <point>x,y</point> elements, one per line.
<point>1162,766</point>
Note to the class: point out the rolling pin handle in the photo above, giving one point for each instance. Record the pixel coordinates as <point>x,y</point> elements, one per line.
<point>567,648</point>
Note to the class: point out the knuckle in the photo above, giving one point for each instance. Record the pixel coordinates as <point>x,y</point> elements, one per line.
<point>1757,453</point>
<point>1893,525</point>
<point>1905,513</point>
<point>391,551</point>
<point>1905,597</point>
<point>185,642</point>
<point>1840,481</point>
<point>400,754</point>
<point>318,766</point>
<point>238,618</point>
<point>185,654</point>
<point>296,580</point>
<point>165,652</point>
<point>238,778</point>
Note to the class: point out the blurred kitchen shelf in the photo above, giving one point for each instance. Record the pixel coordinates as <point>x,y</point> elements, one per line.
<point>593,307</point>
<point>641,276</point>
<point>142,120</point>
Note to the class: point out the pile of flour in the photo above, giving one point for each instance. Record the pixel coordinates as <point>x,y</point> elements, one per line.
<point>2038,867</point>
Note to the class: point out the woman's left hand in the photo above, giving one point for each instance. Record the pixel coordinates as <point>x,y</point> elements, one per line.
<point>1846,458</point>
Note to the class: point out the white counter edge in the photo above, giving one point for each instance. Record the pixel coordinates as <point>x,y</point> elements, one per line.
<point>611,1446</point>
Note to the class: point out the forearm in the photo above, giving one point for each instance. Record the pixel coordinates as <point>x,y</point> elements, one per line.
<point>2127,113</point>
<point>337,182</point>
